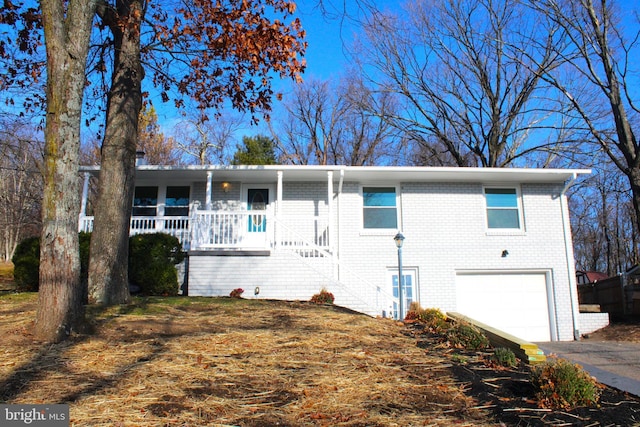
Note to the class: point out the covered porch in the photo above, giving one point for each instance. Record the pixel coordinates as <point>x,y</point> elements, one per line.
<point>228,208</point>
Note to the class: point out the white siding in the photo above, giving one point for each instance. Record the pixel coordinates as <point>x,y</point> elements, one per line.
<point>445,231</point>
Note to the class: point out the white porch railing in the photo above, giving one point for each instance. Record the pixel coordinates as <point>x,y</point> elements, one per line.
<point>374,299</point>
<point>231,230</point>
<point>178,226</point>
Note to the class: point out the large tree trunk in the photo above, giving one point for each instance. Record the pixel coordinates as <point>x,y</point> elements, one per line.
<point>108,275</point>
<point>67,33</point>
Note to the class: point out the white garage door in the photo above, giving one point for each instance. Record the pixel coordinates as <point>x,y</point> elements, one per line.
<point>514,303</point>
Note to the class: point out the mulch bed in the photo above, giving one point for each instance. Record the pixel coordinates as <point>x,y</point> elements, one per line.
<point>225,362</point>
<point>510,396</point>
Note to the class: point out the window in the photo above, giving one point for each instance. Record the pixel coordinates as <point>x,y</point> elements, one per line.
<point>145,201</point>
<point>379,207</point>
<point>503,211</point>
<point>177,201</point>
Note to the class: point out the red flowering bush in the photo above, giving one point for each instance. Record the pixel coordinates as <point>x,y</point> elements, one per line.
<point>236,293</point>
<point>324,297</point>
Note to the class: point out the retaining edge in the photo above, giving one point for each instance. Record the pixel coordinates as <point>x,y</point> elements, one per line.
<point>526,351</point>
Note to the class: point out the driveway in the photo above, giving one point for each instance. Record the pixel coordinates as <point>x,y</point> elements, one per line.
<point>614,363</point>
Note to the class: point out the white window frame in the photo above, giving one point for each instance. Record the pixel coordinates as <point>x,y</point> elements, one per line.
<point>383,231</point>
<point>519,207</point>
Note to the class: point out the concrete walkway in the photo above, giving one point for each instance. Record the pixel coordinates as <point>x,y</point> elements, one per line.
<point>614,363</point>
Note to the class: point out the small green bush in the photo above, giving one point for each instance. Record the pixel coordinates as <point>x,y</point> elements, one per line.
<point>152,260</point>
<point>26,262</point>
<point>561,384</point>
<point>84,240</point>
<point>466,336</point>
<point>324,297</point>
<point>504,357</point>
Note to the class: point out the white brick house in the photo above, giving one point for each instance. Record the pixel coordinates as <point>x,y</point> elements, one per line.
<point>494,244</point>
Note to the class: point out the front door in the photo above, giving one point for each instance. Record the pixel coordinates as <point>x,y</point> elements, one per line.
<point>258,199</point>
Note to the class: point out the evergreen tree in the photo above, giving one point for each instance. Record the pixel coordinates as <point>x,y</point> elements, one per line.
<point>257,150</point>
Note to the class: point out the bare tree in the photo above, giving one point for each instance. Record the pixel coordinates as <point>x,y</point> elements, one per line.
<point>599,79</point>
<point>206,140</point>
<point>469,79</point>
<point>21,155</point>
<point>325,124</point>
<point>603,223</point>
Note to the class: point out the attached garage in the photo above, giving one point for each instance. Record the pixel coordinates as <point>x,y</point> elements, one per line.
<point>515,302</point>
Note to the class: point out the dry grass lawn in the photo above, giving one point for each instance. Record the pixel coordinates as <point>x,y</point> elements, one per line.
<point>208,362</point>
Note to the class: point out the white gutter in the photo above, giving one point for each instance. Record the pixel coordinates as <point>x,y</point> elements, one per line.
<point>568,248</point>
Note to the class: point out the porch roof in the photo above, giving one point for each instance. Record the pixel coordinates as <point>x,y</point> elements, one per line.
<point>353,173</point>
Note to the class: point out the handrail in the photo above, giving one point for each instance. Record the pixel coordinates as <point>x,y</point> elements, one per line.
<point>378,302</point>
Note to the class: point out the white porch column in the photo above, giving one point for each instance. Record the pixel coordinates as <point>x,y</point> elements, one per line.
<point>330,208</point>
<point>209,191</point>
<point>85,194</point>
<point>329,224</point>
<point>278,207</point>
<point>83,205</point>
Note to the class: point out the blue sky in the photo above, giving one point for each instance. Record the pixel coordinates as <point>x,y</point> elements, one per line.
<point>324,56</point>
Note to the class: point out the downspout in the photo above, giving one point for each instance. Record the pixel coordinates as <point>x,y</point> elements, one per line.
<point>330,231</point>
<point>279,195</point>
<point>339,216</point>
<point>568,248</point>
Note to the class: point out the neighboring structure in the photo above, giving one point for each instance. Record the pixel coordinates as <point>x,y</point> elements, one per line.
<point>619,295</point>
<point>492,244</point>
<point>587,277</point>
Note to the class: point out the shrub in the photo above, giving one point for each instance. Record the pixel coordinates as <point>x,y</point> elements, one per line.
<point>504,357</point>
<point>561,384</point>
<point>152,260</point>
<point>324,297</point>
<point>26,262</point>
<point>236,293</point>
<point>433,318</point>
<point>466,336</point>
<point>85,243</point>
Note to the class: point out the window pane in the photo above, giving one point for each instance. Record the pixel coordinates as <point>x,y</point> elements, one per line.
<point>177,196</point>
<point>503,218</point>
<point>176,211</point>
<point>501,197</point>
<point>379,196</point>
<point>144,211</point>
<point>146,196</point>
<point>145,201</point>
<point>380,218</point>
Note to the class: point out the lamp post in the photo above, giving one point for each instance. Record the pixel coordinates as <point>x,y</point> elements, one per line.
<point>399,239</point>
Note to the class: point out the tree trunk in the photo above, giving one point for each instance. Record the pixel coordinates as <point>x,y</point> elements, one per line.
<point>108,266</point>
<point>67,33</point>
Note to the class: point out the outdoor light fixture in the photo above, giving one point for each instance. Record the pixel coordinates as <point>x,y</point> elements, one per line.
<point>399,240</point>
<point>225,187</point>
<point>505,253</point>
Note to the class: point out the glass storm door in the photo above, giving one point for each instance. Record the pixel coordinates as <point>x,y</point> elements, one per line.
<point>257,201</point>
<point>408,291</point>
